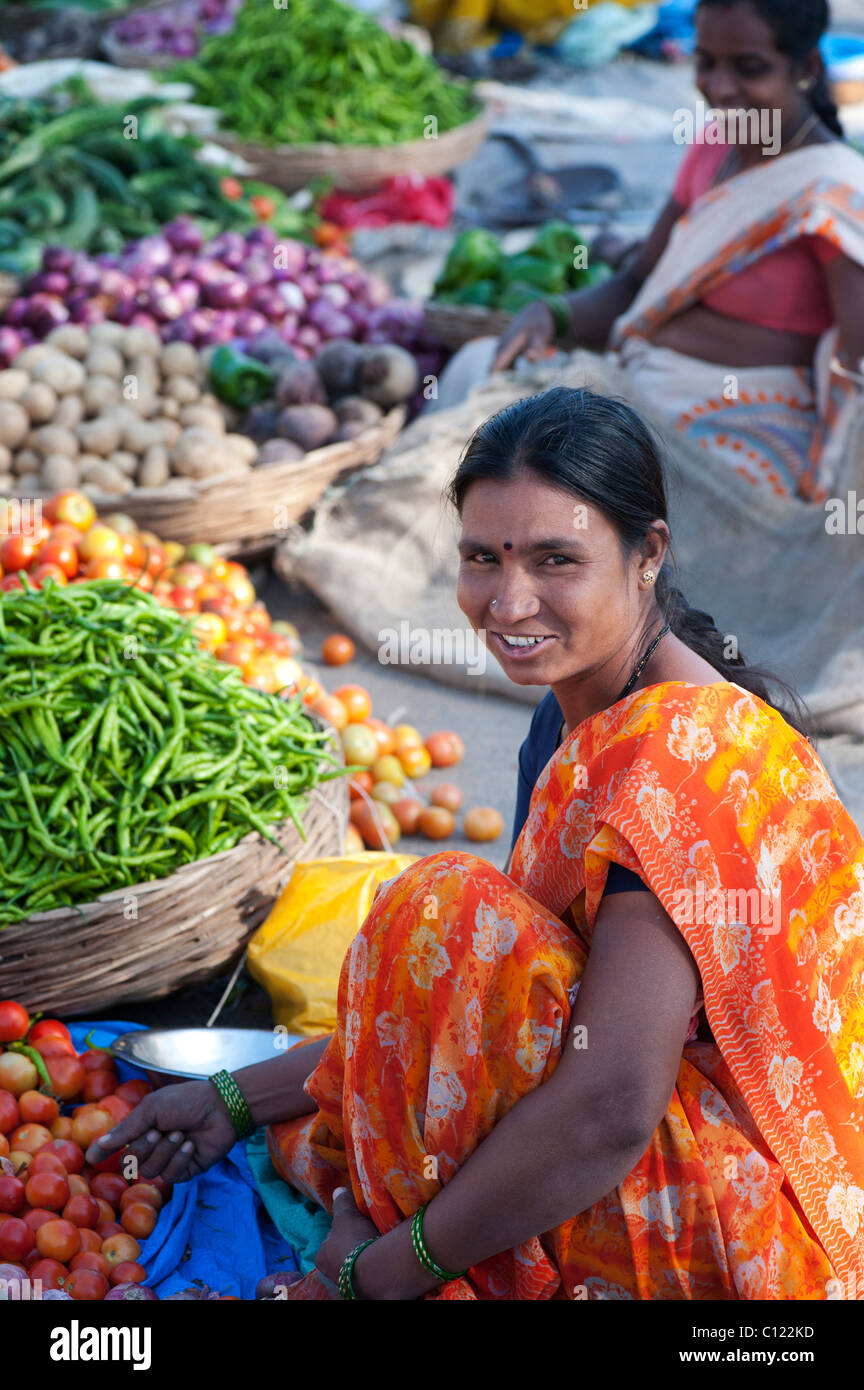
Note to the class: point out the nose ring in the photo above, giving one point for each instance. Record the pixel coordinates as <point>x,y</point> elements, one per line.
<point>493,603</point>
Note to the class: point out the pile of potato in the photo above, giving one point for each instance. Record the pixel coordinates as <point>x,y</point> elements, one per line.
<point>109,408</point>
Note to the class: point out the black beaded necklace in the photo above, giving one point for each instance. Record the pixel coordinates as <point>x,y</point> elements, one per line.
<point>640,667</point>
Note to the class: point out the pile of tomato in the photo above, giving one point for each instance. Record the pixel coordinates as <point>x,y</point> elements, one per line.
<point>71,544</point>
<point>63,1222</point>
<point>383,806</point>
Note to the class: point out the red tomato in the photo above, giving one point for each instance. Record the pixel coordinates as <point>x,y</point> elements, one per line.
<point>108,1229</point>
<point>447,794</point>
<point>134,553</point>
<point>117,1109</point>
<point>37,1216</point>
<point>14,1020</point>
<point>337,649</point>
<point>90,1125</point>
<point>87,1284</point>
<point>133,1091</point>
<point>78,1185</point>
<point>11,1194</point>
<point>16,1239</point>
<point>17,1074</point>
<point>9,583</point>
<point>90,1259</point>
<point>42,573</point>
<point>98,1084</point>
<point>138,1219</point>
<point>48,1190</point>
<point>81,1211</point>
<point>9,1113</point>
<point>69,1153</point>
<point>110,1187</point>
<point>357,702</point>
<point>61,554</point>
<point>67,1074</point>
<point>435,822</point>
<point>128,1272</point>
<point>263,207</point>
<point>51,1273</point>
<point>482,823</point>
<point>72,507</point>
<point>58,1240</point>
<point>64,534</point>
<point>94,1059</point>
<point>62,1128</point>
<point>105,567</point>
<point>41,1110</point>
<point>142,1192</point>
<point>231,188</point>
<point>17,553</point>
<point>106,1211</point>
<point>100,542</point>
<point>120,1247</point>
<point>384,734</point>
<point>183,600</point>
<point>54,1046</point>
<point>445,748</point>
<point>91,1241</point>
<point>31,1138</point>
<point>47,1163</point>
<point>49,1028</point>
<point>408,812</point>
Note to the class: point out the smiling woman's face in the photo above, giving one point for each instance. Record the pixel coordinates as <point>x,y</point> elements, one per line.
<point>556,570</point>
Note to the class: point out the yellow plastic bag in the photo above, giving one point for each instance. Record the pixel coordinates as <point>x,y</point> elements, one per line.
<point>297,953</point>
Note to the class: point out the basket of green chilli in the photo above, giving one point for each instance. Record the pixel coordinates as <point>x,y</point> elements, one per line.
<point>151,804</point>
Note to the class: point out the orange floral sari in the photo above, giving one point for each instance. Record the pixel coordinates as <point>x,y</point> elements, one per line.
<point>456,998</point>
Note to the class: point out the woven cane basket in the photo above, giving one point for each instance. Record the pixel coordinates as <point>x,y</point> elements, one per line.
<point>358,168</point>
<point>456,324</point>
<point>188,927</point>
<point>249,512</point>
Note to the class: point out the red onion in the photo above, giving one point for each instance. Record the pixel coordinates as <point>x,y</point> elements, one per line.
<point>289,259</point>
<point>140,319</point>
<point>46,282</point>
<point>328,320</point>
<point>153,253</point>
<point>57,258</point>
<point>293,297</point>
<point>289,326</point>
<point>56,1296</point>
<point>337,295</point>
<point>249,322</point>
<point>309,337</point>
<point>261,236</point>
<point>222,331</point>
<point>188,292</point>
<point>228,294</point>
<point>46,312</point>
<point>207,271</point>
<point>257,270</point>
<point>266,301</point>
<point>308,285</point>
<point>10,344</point>
<point>114,281</point>
<point>163,302</point>
<point>183,234</point>
<point>131,1293</point>
<point>90,311</point>
<point>16,311</point>
<point>124,308</point>
<point>85,274</point>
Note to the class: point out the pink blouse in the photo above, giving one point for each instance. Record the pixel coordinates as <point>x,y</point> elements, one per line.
<point>785,289</point>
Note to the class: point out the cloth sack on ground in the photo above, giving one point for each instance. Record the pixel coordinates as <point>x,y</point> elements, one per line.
<point>215,1230</point>
<point>297,953</point>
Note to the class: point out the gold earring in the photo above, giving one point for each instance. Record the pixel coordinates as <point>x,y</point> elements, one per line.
<point>649,576</point>
<point>805,84</point>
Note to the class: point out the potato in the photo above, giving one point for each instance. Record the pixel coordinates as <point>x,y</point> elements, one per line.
<point>207,398</point>
<point>36,352</point>
<point>280,451</point>
<point>26,461</point>
<point>244,447</point>
<point>100,392</point>
<point>179,359</point>
<point>71,338</point>
<point>169,430</point>
<point>5,459</point>
<point>13,381</point>
<point>38,400</point>
<point>122,413</point>
<point>7,483</point>
<point>170,409</point>
<point>69,412</point>
<point>27,485</point>
<point>54,439</point>
<point>140,435</point>
<point>86,461</point>
<point>100,436</point>
<point>59,472</point>
<point>153,469</point>
<point>124,461</point>
<point>196,453</point>
<point>141,342</point>
<point>104,360</point>
<point>108,332</point>
<point>144,405</point>
<point>181,388</point>
<point>204,417</point>
<point>63,374</point>
<point>107,478</point>
<point>14,424</point>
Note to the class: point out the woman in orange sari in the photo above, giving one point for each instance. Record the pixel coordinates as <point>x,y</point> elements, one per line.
<point>655,1093</point>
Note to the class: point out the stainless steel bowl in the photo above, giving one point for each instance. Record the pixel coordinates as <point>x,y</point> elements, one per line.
<point>199,1052</point>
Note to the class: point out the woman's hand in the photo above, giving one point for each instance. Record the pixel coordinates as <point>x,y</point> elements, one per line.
<point>348,1230</point>
<point>530,334</point>
<point>177,1131</point>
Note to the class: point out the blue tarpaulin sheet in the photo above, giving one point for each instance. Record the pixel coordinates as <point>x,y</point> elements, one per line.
<point>216,1229</point>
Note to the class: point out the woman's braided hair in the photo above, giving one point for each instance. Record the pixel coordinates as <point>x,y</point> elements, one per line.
<point>599,450</point>
<point>798,25</point>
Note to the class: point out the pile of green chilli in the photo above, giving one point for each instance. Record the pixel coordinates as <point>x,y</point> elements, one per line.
<point>126,751</point>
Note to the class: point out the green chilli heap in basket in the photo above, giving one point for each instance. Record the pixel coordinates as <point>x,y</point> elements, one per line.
<point>319,71</point>
<point>126,751</point>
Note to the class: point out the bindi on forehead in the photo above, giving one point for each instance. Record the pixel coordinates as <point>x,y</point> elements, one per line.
<point>508,545</point>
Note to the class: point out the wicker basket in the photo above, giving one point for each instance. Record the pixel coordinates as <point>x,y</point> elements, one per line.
<point>358,168</point>
<point>456,324</point>
<point>188,927</point>
<point>246,512</point>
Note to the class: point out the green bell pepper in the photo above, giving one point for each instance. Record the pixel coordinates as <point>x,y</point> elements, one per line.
<point>239,380</point>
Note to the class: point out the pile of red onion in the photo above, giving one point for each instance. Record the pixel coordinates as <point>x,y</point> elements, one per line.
<point>177,30</point>
<point>236,286</point>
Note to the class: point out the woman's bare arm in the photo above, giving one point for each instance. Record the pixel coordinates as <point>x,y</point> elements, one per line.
<point>575,1138</point>
<point>845,281</point>
<point>274,1090</point>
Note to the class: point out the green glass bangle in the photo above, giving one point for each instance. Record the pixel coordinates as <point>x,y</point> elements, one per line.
<point>235,1102</point>
<point>346,1273</point>
<point>560,313</point>
<point>422,1253</point>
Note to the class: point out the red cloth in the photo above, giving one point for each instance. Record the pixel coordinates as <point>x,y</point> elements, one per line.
<point>785,290</point>
<point>407,198</point>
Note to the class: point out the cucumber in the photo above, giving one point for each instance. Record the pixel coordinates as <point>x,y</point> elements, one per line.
<point>83,221</point>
